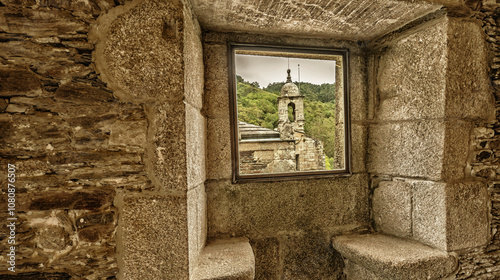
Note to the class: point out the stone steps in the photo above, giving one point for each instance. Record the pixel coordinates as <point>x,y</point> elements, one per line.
<point>384,257</point>
<point>226,259</point>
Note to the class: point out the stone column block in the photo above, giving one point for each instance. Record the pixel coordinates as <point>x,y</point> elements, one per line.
<point>450,216</point>
<point>468,225</point>
<point>197,223</point>
<point>468,90</point>
<point>411,75</point>
<point>436,71</point>
<point>168,148</point>
<point>154,236</point>
<point>195,146</point>
<point>392,208</point>
<point>431,149</point>
<point>413,149</point>
<point>429,213</point>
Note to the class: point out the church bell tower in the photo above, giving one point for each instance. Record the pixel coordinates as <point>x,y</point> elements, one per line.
<point>290,110</point>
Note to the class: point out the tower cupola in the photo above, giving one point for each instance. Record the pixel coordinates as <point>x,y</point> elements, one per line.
<point>289,89</point>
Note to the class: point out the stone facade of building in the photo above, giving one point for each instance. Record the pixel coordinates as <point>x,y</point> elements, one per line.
<point>288,149</point>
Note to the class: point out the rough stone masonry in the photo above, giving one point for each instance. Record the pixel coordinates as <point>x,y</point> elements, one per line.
<point>73,142</point>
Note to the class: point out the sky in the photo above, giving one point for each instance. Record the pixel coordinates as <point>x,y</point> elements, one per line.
<point>269,69</point>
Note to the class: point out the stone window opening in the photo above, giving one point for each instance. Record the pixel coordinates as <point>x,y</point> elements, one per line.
<point>268,122</point>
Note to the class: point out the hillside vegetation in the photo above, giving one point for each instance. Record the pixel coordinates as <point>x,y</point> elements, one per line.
<point>260,107</point>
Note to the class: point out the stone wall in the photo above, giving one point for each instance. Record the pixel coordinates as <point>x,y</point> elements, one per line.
<point>267,156</point>
<point>289,223</point>
<point>430,86</point>
<point>107,136</point>
<point>150,52</point>
<point>73,142</point>
<point>484,262</point>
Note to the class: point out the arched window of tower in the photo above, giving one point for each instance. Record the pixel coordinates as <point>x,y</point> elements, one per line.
<point>292,114</point>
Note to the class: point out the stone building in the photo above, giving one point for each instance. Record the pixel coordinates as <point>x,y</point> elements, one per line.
<point>115,118</point>
<point>288,149</point>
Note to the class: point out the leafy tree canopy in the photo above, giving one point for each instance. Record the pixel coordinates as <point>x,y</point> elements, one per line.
<point>260,107</point>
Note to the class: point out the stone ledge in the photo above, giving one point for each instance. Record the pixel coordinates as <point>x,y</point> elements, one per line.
<point>393,258</point>
<point>226,259</point>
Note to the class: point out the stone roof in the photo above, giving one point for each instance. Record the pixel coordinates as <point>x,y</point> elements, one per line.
<point>254,132</point>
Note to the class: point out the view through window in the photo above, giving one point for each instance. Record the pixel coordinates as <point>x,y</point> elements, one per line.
<point>289,112</point>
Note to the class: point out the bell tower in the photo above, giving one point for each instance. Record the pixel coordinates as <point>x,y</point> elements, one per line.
<point>290,110</point>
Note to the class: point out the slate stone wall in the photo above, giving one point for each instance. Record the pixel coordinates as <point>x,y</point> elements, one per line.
<point>484,262</point>
<point>74,144</point>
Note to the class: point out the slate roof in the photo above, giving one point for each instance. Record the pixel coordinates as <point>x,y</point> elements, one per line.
<point>255,132</point>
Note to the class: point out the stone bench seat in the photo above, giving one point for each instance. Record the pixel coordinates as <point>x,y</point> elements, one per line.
<point>226,259</point>
<point>383,257</point>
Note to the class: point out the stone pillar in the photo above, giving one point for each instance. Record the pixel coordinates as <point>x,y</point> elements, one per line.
<point>339,160</point>
<point>150,53</point>
<point>432,88</point>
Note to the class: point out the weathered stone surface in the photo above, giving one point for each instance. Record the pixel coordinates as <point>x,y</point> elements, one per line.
<point>52,63</point>
<point>193,61</point>
<point>95,233</point>
<point>339,20</point>
<point>354,271</point>
<point>128,133</point>
<point>358,88</point>
<point>195,146</point>
<point>41,22</point>
<point>359,147</point>
<point>15,81</point>
<point>429,214</point>
<point>395,258</point>
<point>47,240</point>
<point>56,132</point>
<point>468,93</point>
<point>421,94</point>
<point>137,71</point>
<point>218,148</point>
<point>299,263</point>
<point>427,149</point>
<point>413,149</point>
<point>264,209</point>
<point>168,132</point>
<point>53,238</point>
<point>216,80</point>
<point>36,275</point>
<point>3,105</point>
<point>267,258</point>
<point>150,251</point>
<point>82,94</point>
<point>197,223</point>
<point>447,59</point>
<point>450,216</point>
<point>392,208</point>
<point>70,200</point>
<point>456,151</point>
<point>468,224</point>
<point>92,7</point>
<point>230,259</point>
<point>104,218</point>
<point>15,108</point>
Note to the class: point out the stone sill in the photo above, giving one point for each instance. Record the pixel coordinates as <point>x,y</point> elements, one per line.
<point>226,259</point>
<point>378,256</point>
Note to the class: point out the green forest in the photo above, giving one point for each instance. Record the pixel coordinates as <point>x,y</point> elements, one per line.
<point>260,107</point>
